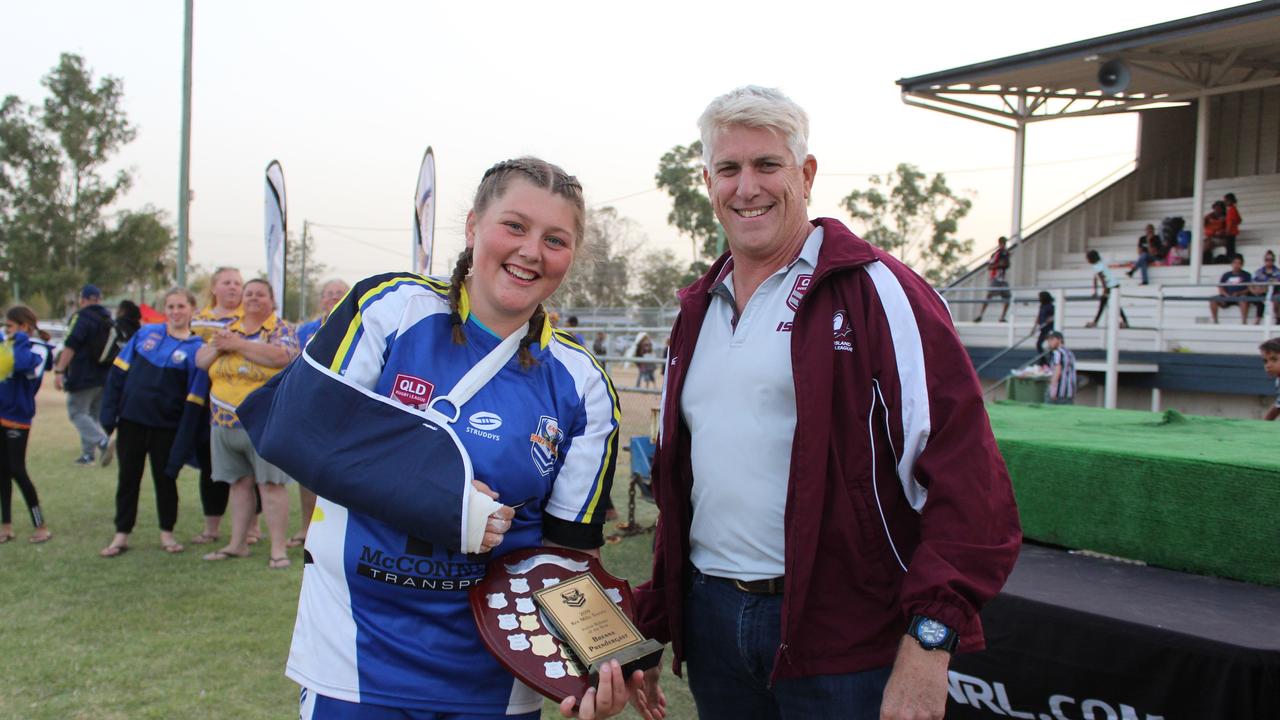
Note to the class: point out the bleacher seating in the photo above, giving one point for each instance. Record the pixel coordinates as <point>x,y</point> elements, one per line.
<point>1186,322</point>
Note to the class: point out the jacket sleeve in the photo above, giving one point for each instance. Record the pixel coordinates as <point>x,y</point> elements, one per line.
<point>948,464</point>
<point>193,417</point>
<point>320,421</point>
<point>25,358</point>
<point>113,390</point>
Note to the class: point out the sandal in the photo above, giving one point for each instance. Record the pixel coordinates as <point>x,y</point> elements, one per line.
<point>279,563</point>
<point>296,541</point>
<point>172,548</point>
<point>111,551</point>
<point>37,539</point>
<point>219,555</point>
<point>6,538</point>
<point>204,538</point>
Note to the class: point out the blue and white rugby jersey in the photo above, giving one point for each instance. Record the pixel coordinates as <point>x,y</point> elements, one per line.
<point>383,616</point>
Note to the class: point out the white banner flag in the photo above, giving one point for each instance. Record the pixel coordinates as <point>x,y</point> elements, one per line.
<point>424,214</point>
<point>275,225</point>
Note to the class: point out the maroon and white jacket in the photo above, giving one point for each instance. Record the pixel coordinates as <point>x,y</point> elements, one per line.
<point>898,502</point>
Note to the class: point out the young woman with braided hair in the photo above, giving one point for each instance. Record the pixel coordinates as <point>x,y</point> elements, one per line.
<point>383,615</point>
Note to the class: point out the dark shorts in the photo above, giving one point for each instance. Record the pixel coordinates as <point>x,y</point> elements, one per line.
<point>1000,289</point>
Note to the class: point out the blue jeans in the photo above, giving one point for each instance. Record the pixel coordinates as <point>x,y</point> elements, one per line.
<point>731,638</point>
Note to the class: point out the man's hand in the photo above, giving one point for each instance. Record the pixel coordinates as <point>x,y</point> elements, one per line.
<point>57,380</point>
<point>917,687</point>
<point>607,699</point>
<point>647,695</point>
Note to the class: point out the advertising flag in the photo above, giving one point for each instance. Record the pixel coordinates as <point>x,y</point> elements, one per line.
<point>275,226</point>
<point>424,214</point>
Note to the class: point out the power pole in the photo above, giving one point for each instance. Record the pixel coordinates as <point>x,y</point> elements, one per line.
<point>184,163</point>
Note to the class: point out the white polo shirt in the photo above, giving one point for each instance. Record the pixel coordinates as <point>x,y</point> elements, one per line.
<point>739,401</point>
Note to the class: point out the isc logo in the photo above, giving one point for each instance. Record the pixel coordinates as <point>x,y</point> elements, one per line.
<point>411,390</point>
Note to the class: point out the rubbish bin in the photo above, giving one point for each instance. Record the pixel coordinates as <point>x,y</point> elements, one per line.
<point>1028,389</point>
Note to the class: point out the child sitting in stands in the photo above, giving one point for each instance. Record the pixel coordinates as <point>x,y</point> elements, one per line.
<point>1270,351</point>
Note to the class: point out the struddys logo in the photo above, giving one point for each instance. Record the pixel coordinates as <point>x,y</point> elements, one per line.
<point>993,698</point>
<point>420,567</point>
<point>798,290</point>
<point>841,332</point>
<point>545,444</point>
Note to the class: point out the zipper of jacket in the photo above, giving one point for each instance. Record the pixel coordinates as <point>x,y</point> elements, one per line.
<point>876,396</point>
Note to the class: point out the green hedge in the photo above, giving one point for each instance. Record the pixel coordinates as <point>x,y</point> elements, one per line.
<point>1188,493</point>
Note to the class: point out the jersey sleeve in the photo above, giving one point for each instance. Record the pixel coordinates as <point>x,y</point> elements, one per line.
<point>113,389</point>
<point>321,422</point>
<point>574,514</point>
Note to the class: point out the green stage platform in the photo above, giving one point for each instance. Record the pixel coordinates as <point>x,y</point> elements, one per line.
<point>1188,493</point>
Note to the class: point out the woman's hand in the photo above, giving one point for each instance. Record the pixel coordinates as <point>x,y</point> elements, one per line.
<point>499,522</point>
<point>608,698</point>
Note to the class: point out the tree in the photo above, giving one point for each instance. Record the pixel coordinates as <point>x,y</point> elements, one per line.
<point>680,174</point>
<point>138,253</point>
<point>53,198</point>
<point>658,277</point>
<point>602,275</point>
<point>914,217</point>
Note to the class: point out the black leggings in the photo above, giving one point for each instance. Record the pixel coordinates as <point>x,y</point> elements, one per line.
<point>1102,306</point>
<point>13,468</point>
<point>135,443</point>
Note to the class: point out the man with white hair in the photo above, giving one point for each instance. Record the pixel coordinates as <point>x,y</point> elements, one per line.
<point>834,509</point>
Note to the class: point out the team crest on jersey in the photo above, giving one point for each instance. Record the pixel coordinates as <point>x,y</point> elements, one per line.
<point>178,357</point>
<point>545,444</point>
<point>412,391</point>
<point>842,333</point>
<point>150,343</point>
<point>798,290</point>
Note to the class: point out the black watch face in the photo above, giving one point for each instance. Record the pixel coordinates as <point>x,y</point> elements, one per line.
<point>931,632</point>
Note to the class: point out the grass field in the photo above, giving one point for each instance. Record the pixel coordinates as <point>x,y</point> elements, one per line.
<point>152,635</point>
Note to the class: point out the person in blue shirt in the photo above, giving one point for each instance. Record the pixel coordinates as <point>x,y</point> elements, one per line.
<point>1233,290</point>
<point>1267,276</point>
<point>383,616</point>
<point>22,365</point>
<point>146,394</point>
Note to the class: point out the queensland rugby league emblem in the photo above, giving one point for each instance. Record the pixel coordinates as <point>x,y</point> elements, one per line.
<point>545,444</point>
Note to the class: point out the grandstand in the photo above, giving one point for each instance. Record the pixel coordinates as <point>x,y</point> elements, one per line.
<point>1207,92</point>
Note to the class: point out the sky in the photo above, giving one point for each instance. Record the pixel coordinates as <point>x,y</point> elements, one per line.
<point>347,96</point>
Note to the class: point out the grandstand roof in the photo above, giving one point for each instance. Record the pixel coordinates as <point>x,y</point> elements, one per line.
<point>1223,51</point>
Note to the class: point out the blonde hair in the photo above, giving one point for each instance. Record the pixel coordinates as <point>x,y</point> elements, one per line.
<point>757,107</point>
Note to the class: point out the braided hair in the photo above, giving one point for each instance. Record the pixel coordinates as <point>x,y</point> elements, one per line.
<point>538,173</point>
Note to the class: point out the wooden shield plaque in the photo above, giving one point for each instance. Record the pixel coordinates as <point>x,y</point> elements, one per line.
<point>533,644</point>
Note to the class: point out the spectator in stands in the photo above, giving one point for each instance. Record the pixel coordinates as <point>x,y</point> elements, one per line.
<point>1102,276</point>
<point>1266,274</point>
<point>1148,246</point>
<point>1062,363</point>
<point>1044,320</point>
<point>128,320</point>
<point>26,349</point>
<point>78,373</point>
<point>997,266</point>
<point>1216,233</point>
<point>1234,287</point>
<point>1270,351</point>
<point>1232,223</point>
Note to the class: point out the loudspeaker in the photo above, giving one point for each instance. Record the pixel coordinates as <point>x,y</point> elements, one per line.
<point>1113,76</point>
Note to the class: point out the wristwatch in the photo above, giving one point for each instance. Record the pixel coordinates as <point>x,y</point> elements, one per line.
<point>932,635</point>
